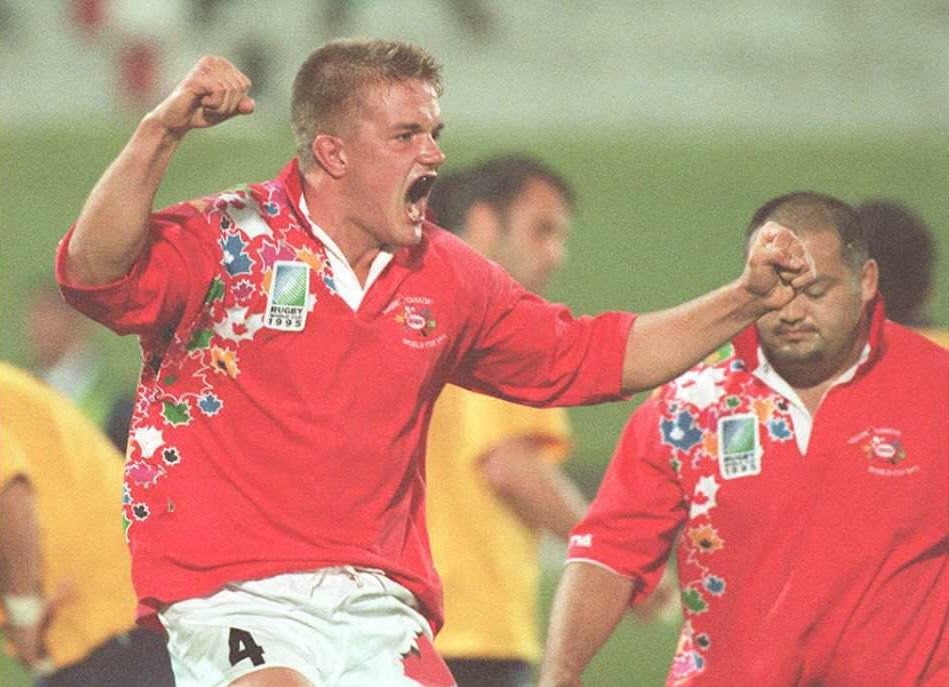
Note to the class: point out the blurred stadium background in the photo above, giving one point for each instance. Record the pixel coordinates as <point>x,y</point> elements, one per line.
<point>674,120</point>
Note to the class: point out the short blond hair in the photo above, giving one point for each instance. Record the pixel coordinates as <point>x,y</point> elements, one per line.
<point>328,86</point>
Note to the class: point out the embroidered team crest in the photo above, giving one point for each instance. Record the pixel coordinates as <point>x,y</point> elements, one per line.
<point>739,447</point>
<point>884,451</point>
<point>417,321</point>
<point>286,301</point>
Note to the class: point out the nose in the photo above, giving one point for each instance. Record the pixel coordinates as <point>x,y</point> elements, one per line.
<point>431,153</point>
<point>793,311</point>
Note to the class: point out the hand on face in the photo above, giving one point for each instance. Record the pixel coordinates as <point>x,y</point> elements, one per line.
<point>778,267</point>
<point>819,333</point>
<point>212,92</point>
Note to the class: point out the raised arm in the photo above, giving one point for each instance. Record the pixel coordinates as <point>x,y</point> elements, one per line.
<point>112,227</point>
<point>664,344</point>
<point>589,603</point>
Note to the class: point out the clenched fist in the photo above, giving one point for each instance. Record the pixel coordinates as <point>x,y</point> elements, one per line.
<point>213,91</point>
<point>778,266</point>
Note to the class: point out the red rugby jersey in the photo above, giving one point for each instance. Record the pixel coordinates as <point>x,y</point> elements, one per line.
<point>276,429</point>
<point>830,567</point>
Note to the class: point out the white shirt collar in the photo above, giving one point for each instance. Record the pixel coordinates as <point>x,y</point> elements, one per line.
<point>800,417</point>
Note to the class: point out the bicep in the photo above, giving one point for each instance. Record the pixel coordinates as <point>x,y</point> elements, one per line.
<point>167,282</point>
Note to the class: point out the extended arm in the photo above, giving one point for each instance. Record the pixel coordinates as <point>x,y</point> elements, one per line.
<point>589,603</point>
<point>112,228</point>
<point>664,344</point>
<point>540,494</point>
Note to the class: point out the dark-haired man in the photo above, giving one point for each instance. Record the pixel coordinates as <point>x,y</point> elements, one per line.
<point>494,481</point>
<point>296,333</point>
<point>807,475</point>
<point>903,246</point>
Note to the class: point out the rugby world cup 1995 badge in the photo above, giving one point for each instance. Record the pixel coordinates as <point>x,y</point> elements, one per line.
<point>739,448</point>
<point>286,302</point>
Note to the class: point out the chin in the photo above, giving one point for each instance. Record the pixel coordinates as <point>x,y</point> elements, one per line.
<point>408,236</point>
<point>416,234</point>
<point>413,235</point>
<point>797,356</point>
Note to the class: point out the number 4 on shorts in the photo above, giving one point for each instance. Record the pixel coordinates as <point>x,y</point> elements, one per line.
<point>243,646</point>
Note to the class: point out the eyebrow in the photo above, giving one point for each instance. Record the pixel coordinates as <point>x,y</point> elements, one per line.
<point>415,128</point>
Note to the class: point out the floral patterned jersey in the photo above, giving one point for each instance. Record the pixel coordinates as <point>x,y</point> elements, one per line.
<point>830,567</point>
<point>278,430</point>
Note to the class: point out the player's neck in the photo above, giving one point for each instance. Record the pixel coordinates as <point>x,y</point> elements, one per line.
<point>331,214</point>
<point>811,380</point>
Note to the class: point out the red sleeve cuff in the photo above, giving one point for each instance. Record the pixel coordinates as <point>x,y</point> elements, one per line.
<point>617,357</point>
<point>67,286</point>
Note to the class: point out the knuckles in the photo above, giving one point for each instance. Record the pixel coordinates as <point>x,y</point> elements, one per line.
<point>212,67</point>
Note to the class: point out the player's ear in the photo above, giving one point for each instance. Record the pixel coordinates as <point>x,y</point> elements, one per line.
<point>329,154</point>
<point>482,227</point>
<point>869,280</point>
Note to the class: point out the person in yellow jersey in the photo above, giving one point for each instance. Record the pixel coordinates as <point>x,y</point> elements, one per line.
<point>493,476</point>
<point>65,587</point>
<point>66,355</point>
<point>903,245</point>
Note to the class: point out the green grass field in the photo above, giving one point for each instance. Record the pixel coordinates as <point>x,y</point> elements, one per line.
<point>660,220</point>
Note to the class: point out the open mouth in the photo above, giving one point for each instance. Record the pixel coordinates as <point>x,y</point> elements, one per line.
<point>417,196</point>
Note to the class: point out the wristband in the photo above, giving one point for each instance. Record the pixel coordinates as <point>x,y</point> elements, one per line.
<point>43,667</point>
<point>23,610</point>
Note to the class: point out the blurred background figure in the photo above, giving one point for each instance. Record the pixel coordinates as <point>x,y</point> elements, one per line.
<point>903,245</point>
<point>476,18</point>
<point>493,476</point>
<point>66,355</point>
<point>65,579</point>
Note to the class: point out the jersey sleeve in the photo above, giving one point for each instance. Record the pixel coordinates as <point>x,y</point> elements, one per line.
<point>165,286</point>
<point>530,351</point>
<point>632,523</point>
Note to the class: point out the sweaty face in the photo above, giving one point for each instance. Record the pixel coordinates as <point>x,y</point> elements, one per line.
<point>392,155</point>
<point>820,333</point>
<point>533,240</point>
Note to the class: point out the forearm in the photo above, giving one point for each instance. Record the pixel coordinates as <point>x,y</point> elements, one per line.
<point>20,559</point>
<point>112,228</point>
<point>589,603</point>
<point>664,344</point>
<point>568,504</point>
<point>26,611</point>
<point>538,492</point>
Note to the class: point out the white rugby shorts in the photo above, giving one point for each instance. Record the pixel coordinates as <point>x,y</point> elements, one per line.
<point>338,627</point>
